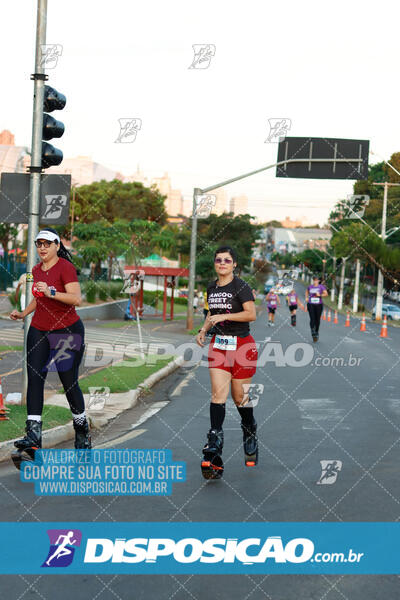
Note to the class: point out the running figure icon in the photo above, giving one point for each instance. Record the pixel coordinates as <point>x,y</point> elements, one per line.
<point>62,549</point>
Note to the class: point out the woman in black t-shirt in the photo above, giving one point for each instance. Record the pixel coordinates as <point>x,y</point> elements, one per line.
<point>232,354</point>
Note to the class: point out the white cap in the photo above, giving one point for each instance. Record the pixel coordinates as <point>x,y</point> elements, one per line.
<point>47,235</point>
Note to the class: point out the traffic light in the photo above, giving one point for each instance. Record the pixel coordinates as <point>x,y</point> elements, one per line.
<point>52,128</point>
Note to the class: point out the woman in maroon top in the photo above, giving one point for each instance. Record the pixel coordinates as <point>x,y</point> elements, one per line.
<point>55,338</point>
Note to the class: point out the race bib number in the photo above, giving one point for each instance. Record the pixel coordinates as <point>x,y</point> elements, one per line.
<point>315,300</point>
<point>272,302</point>
<point>225,342</point>
<point>292,299</point>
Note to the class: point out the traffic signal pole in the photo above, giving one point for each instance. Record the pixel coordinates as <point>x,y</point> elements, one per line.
<point>35,168</point>
<point>197,191</point>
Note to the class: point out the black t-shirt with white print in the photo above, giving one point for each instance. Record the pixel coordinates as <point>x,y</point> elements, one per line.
<point>229,299</point>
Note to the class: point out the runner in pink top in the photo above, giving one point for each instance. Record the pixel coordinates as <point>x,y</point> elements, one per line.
<point>272,303</point>
<point>293,301</point>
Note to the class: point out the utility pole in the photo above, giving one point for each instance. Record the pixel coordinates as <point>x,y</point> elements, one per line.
<point>379,289</point>
<point>35,169</point>
<point>333,288</point>
<point>356,286</point>
<point>342,274</point>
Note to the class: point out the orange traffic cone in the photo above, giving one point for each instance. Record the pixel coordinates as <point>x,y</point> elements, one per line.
<point>384,328</point>
<point>347,324</point>
<point>363,326</point>
<point>329,316</point>
<point>3,416</point>
<point>335,320</point>
<point>324,315</point>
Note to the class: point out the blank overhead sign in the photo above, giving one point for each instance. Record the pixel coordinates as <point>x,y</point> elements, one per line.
<point>322,158</point>
<point>54,198</point>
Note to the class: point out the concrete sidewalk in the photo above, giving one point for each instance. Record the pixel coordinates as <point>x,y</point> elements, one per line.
<point>99,415</point>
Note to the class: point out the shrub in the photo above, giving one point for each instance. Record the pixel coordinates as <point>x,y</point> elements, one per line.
<point>90,291</point>
<point>114,289</point>
<point>102,290</point>
<point>13,299</point>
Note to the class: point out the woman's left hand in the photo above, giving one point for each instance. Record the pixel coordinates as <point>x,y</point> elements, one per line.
<point>42,286</point>
<point>214,319</point>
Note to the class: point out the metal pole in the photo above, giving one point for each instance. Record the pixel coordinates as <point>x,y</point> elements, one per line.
<point>379,289</point>
<point>342,273</point>
<point>36,161</point>
<point>356,286</point>
<point>192,265</point>
<point>333,288</point>
<point>72,216</point>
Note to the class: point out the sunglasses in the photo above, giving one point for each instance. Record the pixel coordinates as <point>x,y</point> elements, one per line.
<point>220,261</point>
<point>39,244</point>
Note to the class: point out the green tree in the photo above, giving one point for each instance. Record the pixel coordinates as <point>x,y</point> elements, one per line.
<point>219,230</point>
<point>8,231</point>
<point>113,200</point>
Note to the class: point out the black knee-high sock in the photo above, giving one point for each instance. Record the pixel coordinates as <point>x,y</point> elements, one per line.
<point>217,415</point>
<point>246,412</point>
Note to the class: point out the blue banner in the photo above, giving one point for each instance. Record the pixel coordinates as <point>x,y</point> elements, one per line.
<point>99,472</point>
<point>200,548</point>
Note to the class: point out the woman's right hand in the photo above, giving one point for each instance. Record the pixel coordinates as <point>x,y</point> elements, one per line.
<point>201,338</point>
<point>15,315</point>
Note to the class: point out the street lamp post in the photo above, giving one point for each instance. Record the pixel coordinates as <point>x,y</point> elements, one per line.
<point>197,191</point>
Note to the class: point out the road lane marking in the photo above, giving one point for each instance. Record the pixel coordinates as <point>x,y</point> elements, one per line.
<point>121,439</point>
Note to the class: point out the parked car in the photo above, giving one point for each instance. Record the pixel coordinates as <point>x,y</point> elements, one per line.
<point>390,310</point>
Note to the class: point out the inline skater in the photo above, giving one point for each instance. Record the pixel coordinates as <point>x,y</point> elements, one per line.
<point>55,339</point>
<point>314,294</point>
<point>293,302</point>
<point>273,301</point>
<point>232,358</point>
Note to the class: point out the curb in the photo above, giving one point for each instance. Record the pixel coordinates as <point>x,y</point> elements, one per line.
<point>63,433</point>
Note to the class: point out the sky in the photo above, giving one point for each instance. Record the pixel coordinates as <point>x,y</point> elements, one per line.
<point>332,69</point>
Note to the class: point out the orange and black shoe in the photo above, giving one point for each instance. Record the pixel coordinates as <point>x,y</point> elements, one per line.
<point>27,446</point>
<point>250,444</point>
<point>212,466</point>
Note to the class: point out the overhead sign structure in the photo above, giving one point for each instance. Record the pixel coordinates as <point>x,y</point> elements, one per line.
<point>322,158</point>
<point>54,198</point>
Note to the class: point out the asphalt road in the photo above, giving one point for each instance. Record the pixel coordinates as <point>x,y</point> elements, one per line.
<point>343,405</point>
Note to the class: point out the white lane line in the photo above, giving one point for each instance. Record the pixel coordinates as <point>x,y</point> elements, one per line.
<point>123,438</point>
<point>323,411</point>
<point>182,384</point>
<point>157,406</point>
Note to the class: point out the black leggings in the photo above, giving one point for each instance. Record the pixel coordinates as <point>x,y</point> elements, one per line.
<point>315,311</point>
<point>60,350</point>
